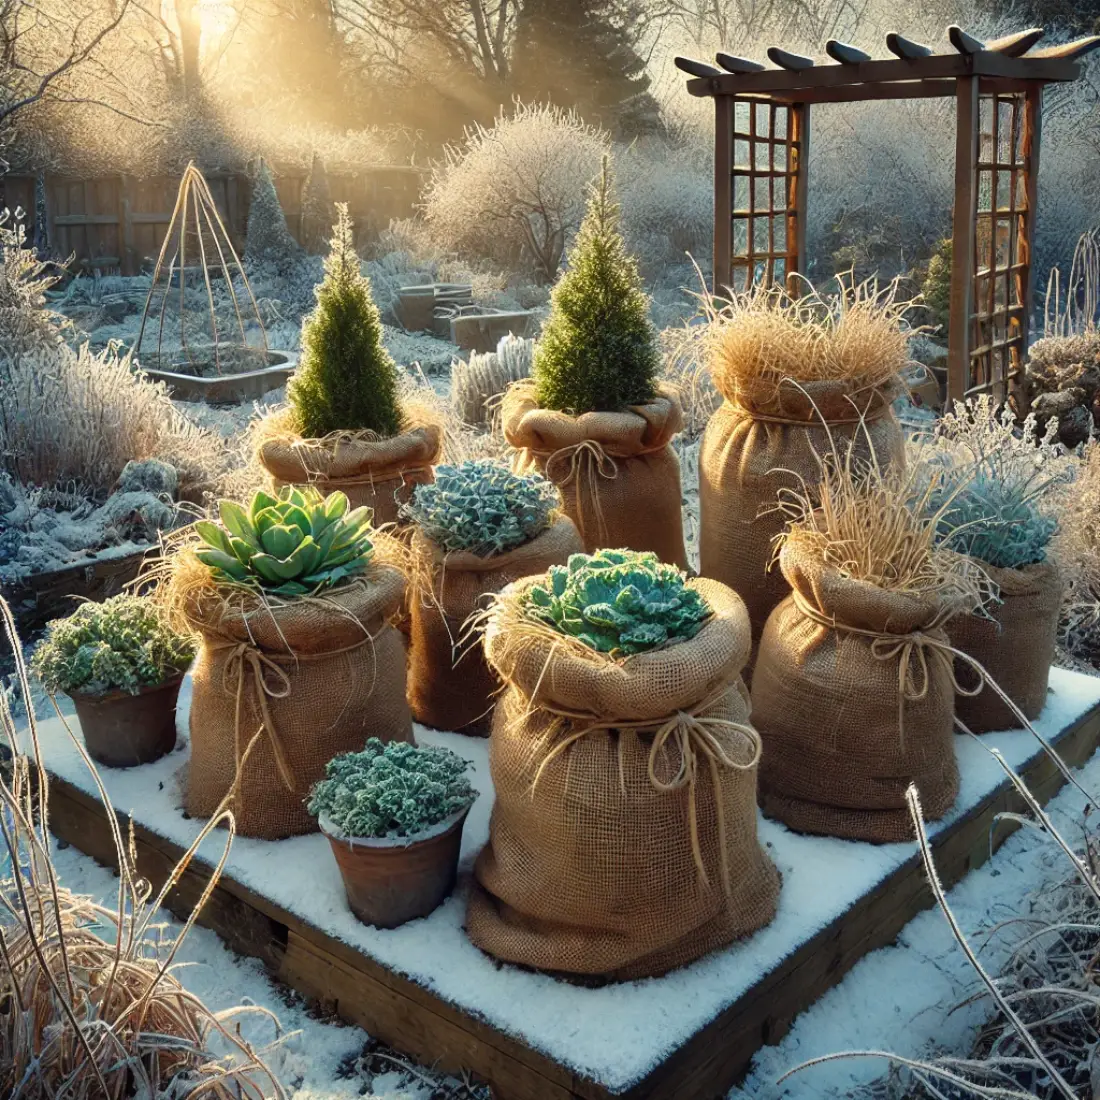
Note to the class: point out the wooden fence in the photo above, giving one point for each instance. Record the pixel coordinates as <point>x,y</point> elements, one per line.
<point>120,221</point>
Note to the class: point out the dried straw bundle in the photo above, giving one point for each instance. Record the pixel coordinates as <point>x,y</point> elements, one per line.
<point>89,1005</point>
<point>765,338</point>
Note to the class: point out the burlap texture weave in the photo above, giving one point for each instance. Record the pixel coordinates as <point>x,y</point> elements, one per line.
<point>749,454</point>
<point>592,870</point>
<point>451,686</point>
<point>378,473</point>
<point>1015,646</point>
<point>319,676</point>
<point>844,735</point>
<point>618,475</point>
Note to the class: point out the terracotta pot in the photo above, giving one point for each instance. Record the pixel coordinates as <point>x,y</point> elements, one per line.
<point>393,880</point>
<point>123,730</point>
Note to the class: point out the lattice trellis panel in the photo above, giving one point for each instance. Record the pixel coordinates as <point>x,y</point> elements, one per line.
<point>1003,207</point>
<point>767,195</point>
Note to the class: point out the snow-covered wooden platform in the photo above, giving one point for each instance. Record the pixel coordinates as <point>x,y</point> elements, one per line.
<point>427,991</point>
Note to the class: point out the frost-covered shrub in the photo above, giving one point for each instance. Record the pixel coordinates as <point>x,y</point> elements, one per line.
<point>482,507</point>
<point>937,286</point>
<point>392,790</point>
<point>598,349</point>
<point>1062,382</point>
<point>26,324</point>
<point>346,379</point>
<point>476,383</point>
<point>267,238</point>
<point>619,602</point>
<point>317,208</point>
<point>513,193</point>
<point>121,644</point>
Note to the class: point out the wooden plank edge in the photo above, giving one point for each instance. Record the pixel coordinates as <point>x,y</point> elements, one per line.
<point>253,926</point>
<point>716,1057</point>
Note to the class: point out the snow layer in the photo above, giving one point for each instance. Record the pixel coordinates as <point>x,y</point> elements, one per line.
<point>616,1034</point>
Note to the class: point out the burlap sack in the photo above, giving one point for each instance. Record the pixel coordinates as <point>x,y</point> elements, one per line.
<point>378,473</point>
<point>451,687</point>
<point>748,455</point>
<point>592,870</point>
<point>318,676</point>
<point>842,738</point>
<point>1015,645</point>
<point>618,475</point>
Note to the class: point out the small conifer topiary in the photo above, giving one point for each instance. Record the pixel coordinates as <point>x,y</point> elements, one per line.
<point>346,380</point>
<point>598,351</point>
<point>267,238</point>
<point>316,207</point>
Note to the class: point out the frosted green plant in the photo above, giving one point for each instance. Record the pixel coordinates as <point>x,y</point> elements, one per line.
<point>392,790</point>
<point>121,644</point>
<point>619,602</point>
<point>996,483</point>
<point>289,545</point>
<point>482,507</point>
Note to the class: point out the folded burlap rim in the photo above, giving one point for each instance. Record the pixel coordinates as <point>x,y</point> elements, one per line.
<point>810,404</point>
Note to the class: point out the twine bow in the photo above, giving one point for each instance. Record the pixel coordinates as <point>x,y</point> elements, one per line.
<point>243,659</point>
<point>695,734</point>
<point>587,462</point>
<point>912,651</point>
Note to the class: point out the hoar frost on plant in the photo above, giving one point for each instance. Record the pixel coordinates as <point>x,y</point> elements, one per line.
<point>482,507</point>
<point>514,193</point>
<point>392,790</point>
<point>618,602</point>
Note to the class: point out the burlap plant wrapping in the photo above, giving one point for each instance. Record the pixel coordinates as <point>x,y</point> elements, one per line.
<point>749,453</point>
<point>451,687</point>
<point>1014,644</point>
<point>317,675</point>
<point>636,850</point>
<point>854,698</point>
<point>618,474</point>
<point>378,473</point>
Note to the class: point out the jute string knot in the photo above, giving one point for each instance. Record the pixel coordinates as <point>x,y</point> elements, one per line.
<point>695,735</point>
<point>244,659</point>
<point>587,463</point>
<point>912,651</point>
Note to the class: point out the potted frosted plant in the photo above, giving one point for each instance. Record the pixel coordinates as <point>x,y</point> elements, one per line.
<point>623,836</point>
<point>593,418</point>
<point>995,504</point>
<point>476,528</point>
<point>394,815</point>
<point>346,427</point>
<point>121,664</point>
<point>292,597</point>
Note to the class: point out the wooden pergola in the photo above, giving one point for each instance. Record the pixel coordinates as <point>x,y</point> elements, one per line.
<point>761,144</point>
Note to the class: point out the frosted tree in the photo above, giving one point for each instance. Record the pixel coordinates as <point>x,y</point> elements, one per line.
<point>267,239</point>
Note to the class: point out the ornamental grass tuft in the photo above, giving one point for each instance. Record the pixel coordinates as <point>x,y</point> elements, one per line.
<point>618,602</point>
<point>392,790</point>
<point>122,644</point>
<point>482,507</point>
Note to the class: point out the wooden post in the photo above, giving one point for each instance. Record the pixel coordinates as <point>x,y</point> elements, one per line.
<point>723,193</point>
<point>963,237</point>
<point>1032,135</point>
<point>798,191</point>
<point>126,251</point>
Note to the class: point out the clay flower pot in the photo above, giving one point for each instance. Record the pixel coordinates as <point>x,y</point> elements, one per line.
<point>391,880</point>
<point>123,730</point>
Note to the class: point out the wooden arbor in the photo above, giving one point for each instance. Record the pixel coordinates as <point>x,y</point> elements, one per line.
<point>762,134</point>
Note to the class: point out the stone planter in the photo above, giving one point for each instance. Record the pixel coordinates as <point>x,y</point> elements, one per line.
<point>392,880</point>
<point>229,389</point>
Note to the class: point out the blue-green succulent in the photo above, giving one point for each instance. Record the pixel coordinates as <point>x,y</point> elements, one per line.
<point>292,544</point>
<point>992,520</point>
<point>392,790</point>
<point>482,507</point>
<point>619,602</point>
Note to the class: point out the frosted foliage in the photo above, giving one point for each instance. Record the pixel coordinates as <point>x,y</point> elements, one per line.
<point>73,416</point>
<point>478,383</point>
<point>514,193</point>
<point>267,238</point>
